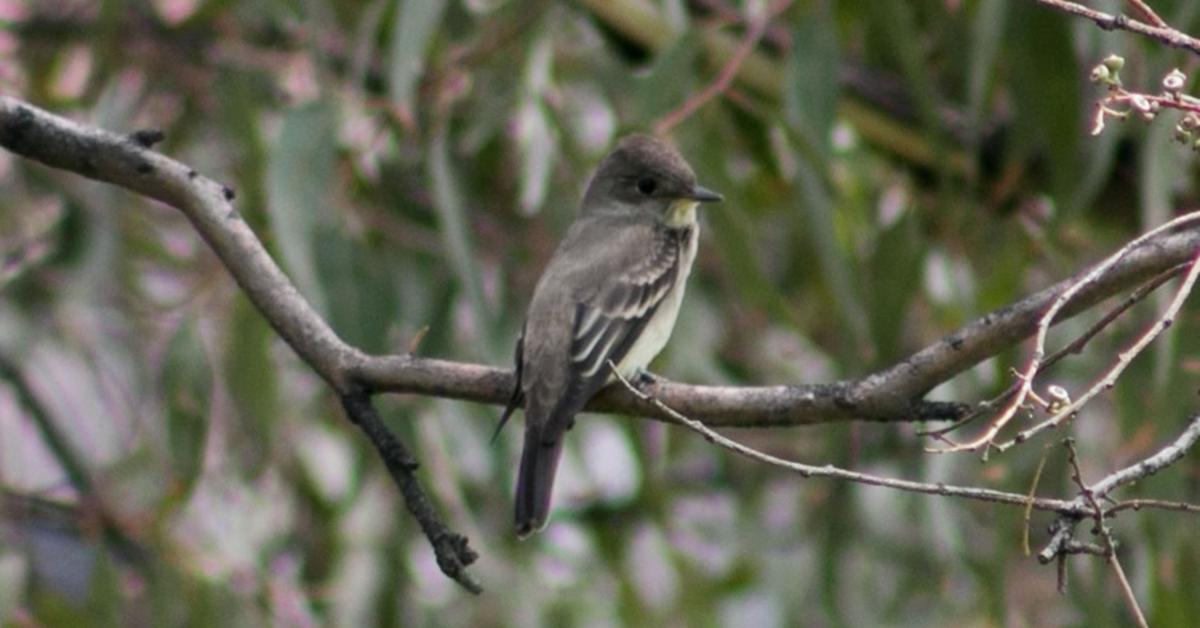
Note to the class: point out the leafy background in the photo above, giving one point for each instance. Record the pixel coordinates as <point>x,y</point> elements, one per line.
<point>892,170</point>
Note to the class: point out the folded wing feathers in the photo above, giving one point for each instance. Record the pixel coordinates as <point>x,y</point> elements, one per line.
<point>606,319</point>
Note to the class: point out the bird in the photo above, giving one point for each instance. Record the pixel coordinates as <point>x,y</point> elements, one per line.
<point>610,294</point>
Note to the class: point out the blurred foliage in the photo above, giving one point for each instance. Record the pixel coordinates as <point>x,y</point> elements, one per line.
<point>891,169</point>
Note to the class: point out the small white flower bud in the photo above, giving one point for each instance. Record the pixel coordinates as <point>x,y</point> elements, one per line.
<point>1174,81</point>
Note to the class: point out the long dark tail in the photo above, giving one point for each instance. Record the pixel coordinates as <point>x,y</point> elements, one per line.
<point>535,480</point>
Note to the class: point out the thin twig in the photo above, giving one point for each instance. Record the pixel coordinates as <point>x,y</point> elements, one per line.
<point>1146,106</point>
<point>1147,13</point>
<point>451,549</point>
<point>1074,347</point>
<point>1162,459</point>
<point>1026,377</point>
<point>1130,599</point>
<point>1072,508</point>
<point>1107,21</point>
<point>1123,360</point>
<point>1171,453</point>
<point>1161,504</point>
<point>725,78</point>
<point>1101,529</point>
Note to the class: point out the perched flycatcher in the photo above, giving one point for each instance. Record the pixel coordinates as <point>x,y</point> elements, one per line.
<point>610,293</point>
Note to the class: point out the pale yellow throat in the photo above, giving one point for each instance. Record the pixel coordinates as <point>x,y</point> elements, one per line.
<point>681,213</point>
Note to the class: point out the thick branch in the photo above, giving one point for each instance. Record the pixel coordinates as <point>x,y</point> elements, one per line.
<point>129,163</point>
<point>890,395</point>
<point>126,162</point>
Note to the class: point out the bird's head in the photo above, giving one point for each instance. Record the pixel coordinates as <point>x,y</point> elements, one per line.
<point>646,175</point>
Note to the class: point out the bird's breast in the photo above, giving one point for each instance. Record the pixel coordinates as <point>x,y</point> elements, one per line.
<point>658,330</point>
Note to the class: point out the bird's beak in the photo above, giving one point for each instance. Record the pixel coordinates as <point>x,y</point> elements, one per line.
<point>705,195</point>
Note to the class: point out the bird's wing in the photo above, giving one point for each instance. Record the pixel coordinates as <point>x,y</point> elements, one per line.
<point>610,320</point>
<point>585,314</point>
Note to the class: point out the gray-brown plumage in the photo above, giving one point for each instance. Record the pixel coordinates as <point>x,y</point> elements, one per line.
<point>611,292</point>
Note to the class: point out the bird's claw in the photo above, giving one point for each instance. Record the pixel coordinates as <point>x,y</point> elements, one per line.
<point>643,379</point>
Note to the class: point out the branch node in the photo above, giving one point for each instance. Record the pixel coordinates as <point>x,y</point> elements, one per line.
<point>147,138</point>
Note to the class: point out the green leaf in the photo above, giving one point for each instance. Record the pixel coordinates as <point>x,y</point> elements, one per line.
<point>817,210</point>
<point>250,376</point>
<point>536,140</point>
<point>299,182</point>
<point>451,211</point>
<point>895,278</point>
<point>416,22</point>
<point>1046,85</point>
<point>670,81</point>
<point>186,384</point>
<point>898,21</point>
<point>810,95</point>
<point>357,279</point>
<point>987,30</point>
<point>1160,168</point>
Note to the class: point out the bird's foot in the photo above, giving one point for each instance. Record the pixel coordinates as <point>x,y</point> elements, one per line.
<point>643,379</point>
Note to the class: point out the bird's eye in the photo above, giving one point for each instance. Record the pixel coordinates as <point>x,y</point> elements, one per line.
<point>647,186</point>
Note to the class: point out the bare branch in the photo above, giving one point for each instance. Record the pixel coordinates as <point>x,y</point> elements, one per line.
<point>1123,360</point>
<point>1163,33</point>
<point>1147,13</point>
<point>1074,508</point>
<point>758,28</point>
<point>1110,546</point>
<point>1062,300</point>
<point>451,549</point>
<point>1062,542</point>
<point>1074,347</point>
<point>1088,501</point>
<point>1160,504</point>
<point>894,394</point>
<point>1165,457</point>
<point>129,163</point>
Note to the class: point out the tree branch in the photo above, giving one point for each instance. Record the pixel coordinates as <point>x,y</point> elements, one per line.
<point>1072,509</point>
<point>1162,33</point>
<point>758,28</point>
<point>451,549</point>
<point>894,394</point>
<point>128,162</point>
